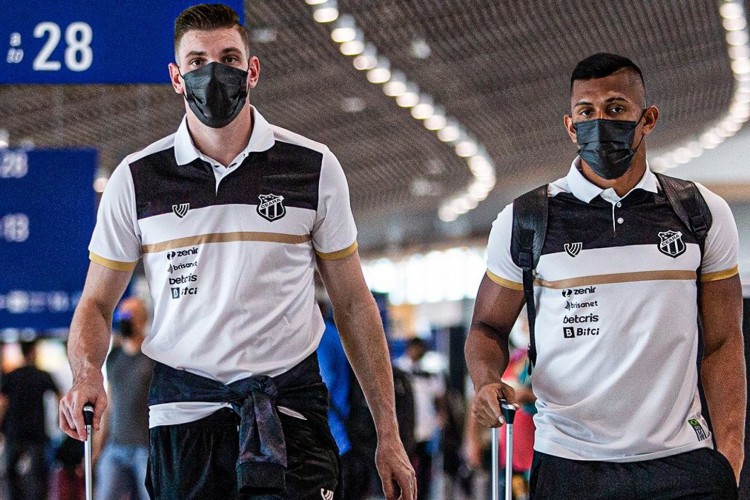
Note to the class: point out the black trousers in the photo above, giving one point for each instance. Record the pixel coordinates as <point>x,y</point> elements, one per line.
<point>702,474</point>
<point>197,460</point>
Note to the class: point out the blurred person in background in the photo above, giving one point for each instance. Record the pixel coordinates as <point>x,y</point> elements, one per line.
<point>428,388</point>
<point>123,460</point>
<point>22,412</point>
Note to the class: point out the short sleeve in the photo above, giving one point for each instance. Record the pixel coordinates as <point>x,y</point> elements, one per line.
<point>116,241</point>
<point>500,266</point>
<point>334,233</point>
<point>722,241</point>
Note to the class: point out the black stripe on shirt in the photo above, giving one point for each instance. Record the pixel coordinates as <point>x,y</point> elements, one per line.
<point>288,170</point>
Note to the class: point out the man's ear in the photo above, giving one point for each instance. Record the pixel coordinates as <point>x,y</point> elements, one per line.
<point>175,79</point>
<point>650,117</point>
<point>253,72</point>
<point>570,129</point>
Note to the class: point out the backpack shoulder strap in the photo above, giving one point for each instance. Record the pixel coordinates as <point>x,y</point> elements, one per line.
<point>527,240</point>
<point>529,227</point>
<point>689,205</point>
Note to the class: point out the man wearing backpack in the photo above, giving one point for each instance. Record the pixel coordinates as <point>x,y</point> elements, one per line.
<point>636,342</point>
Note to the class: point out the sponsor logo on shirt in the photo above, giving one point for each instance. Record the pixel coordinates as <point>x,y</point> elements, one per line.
<point>569,305</point>
<point>271,207</point>
<point>182,253</point>
<point>181,210</point>
<point>589,318</point>
<point>326,494</point>
<point>698,428</point>
<point>173,268</point>
<point>573,249</point>
<point>178,292</point>
<point>181,280</point>
<point>570,332</point>
<point>671,243</point>
<point>569,292</point>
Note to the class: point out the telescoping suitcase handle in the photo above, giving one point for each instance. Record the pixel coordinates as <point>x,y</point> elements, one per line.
<point>88,419</point>
<point>509,414</point>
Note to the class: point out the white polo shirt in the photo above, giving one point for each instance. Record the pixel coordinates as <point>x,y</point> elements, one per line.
<point>616,328</point>
<point>229,252</point>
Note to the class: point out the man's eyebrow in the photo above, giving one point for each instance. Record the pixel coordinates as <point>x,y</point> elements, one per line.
<point>203,52</point>
<point>584,102</point>
<point>195,53</point>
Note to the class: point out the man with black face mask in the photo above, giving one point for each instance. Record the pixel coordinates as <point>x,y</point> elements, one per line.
<point>621,365</point>
<point>230,216</point>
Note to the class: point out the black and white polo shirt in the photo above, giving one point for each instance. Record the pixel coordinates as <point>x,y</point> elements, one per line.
<point>229,252</point>
<point>616,328</point>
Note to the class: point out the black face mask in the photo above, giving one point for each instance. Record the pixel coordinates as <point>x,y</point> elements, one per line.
<point>605,145</point>
<point>216,93</point>
<point>126,328</point>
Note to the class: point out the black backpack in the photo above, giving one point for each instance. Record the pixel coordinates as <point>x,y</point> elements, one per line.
<point>530,230</point>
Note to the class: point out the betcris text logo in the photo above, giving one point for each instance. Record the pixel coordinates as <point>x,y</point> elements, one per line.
<point>570,292</point>
<point>182,253</point>
<point>182,280</point>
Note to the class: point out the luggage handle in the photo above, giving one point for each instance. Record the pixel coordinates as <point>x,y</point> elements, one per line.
<point>88,419</point>
<point>509,414</point>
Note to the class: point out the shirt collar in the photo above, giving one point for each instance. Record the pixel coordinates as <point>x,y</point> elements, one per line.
<point>585,190</point>
<point>262,139</point>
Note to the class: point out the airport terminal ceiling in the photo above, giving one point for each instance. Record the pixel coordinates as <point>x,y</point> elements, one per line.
<point>499,68</point>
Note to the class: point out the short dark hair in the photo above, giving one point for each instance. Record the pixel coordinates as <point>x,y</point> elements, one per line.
<point>28,347</point>
<point>208,17</point>
<point>418,342</point>
<point>601,65</point>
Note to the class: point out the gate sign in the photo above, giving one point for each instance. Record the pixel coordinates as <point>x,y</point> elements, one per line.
<point>89,41</point>
<point>47,214</point>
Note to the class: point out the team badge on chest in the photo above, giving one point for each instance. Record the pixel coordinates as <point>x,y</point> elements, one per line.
<point>271,207</point>
<point>671,243</point>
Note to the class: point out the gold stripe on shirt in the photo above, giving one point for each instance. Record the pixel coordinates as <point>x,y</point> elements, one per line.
<point>341,254</point>
<point>292,239</point>
<point>112,264</point>
<point>604,279</point>
<point>503,282</point>
<point>720,275</point>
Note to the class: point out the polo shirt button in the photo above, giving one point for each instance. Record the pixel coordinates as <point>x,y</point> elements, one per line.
<point>619,204</point>
<point>620,220</point>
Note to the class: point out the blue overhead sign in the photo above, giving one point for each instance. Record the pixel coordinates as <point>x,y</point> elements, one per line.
<point>77,42</point>
<point>47,214</point>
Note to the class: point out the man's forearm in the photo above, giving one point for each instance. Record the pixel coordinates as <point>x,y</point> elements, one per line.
<point>723,374</point>
<point>89,339</point>
<point>486,358</point>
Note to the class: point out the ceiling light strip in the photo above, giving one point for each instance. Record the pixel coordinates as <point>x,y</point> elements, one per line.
<point>422,107</point>
<point>737,36</point>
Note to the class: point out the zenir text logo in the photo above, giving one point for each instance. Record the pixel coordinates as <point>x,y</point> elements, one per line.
<point>271,207</point>
<point>573,249</point>
<point>671,243</point>
<point>569,292</point>
<point>181,210</point>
